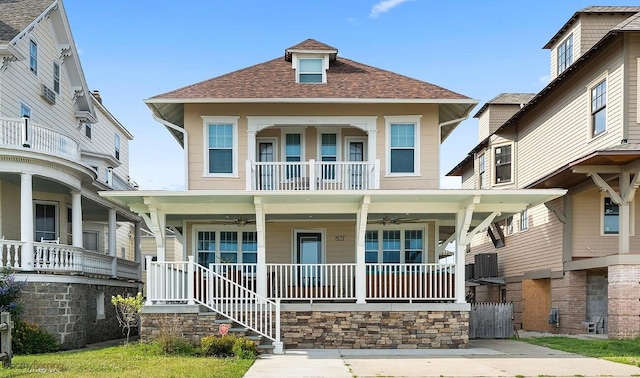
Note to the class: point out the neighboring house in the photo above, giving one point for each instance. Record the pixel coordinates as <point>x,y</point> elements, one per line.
<point>579,255</point>
<point>59,146</point>
<point>313,214</point>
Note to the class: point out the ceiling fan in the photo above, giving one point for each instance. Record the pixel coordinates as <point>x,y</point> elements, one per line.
<point>387,220</point>
<point>240,222</point>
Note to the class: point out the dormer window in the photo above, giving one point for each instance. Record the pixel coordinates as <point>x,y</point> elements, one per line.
<point>310,70</point>
<point>565,54</point>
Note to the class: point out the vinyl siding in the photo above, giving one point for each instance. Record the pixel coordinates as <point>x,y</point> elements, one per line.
<point>596,26</point>
<point>500,114</point>
<point>520,255</point>
<point>429,139</point>
<point>483,124</point>
<point>10,197</point>
<point>633,43</point>
<point>469,179</point>
<point>557,132</point>
<point>576,31</point>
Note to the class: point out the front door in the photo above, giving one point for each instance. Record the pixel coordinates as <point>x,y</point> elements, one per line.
<point>266,173</point>
<point>309,255</point>
<point>356,171</point>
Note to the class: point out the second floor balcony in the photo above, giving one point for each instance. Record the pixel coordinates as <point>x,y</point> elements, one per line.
<point>21,133</point>
<point>313,175</point>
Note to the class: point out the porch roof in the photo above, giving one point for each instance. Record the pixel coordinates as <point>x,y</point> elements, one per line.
<point>337,205</point>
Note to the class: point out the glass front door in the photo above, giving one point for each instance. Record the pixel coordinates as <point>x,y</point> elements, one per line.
<point>266,173</point>
<point>356,171</point>
<point>309,255</point>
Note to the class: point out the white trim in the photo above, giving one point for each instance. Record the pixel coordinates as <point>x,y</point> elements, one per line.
<point>217,228</point>
<point>283,142</point>
<point>632,221</point>
<point>589,121</point>
<point>71,279</point>
<point>295,64</point>
<point>54,203</point>
<point>329,130</point>
<point>367,124</point>
<point>494,171</point>
<point>637,89</point>
<point>350,139</point>
<point>402,227</point>
<point>524,212</point>
<point>209,100</point>
<point>414,119</point>
<point>233,120</point>
<point>273,140</point>
<point>294,242</point>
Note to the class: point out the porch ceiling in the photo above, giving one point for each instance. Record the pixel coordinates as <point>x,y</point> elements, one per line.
<point>338,205</point>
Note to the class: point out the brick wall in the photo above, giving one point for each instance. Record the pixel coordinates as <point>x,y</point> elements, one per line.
<point>329,330</point>
<point>69,312</point>
<point>624,301</point>
<point>569,294</point>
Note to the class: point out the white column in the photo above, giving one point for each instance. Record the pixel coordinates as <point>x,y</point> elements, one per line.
<point>137,252</point>
<point>112,242</point>
<point>460,251</point>
<point>26,220</point>
<point>361,269</point>
<point>371,145</point>
<point>76,218</point>
<point>261,268</point>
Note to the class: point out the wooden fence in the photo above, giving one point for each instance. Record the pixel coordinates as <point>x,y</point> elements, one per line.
<point>491,321</point>
<point>5,339</point>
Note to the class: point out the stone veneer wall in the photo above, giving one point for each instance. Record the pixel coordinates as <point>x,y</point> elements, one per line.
<point>333,329</point>
<point>624,301</point>
<point>69,311</point>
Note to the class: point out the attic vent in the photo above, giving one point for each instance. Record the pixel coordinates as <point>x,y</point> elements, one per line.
<point>48,94</point>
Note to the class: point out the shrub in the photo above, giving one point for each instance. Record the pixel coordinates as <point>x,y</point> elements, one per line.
<point>29,338</point>
<point>227,346</point>
<point>10,292</point>
<point>127,311</point>
<point>174,345</point>
<point>245,349</point>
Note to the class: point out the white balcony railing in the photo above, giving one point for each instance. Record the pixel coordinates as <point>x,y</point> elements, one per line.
<point>60,258</point>
<point>311,281</point>
<point>24,134</point>
<point>313,175</point>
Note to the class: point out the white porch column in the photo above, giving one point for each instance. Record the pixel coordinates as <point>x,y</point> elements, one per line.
<point>112,242</point>
<point>361,268</point>
<point>26,220</point>
<point>158,221</point>
<point>371,144</point>
<point>76,218</point>
<point>137,252</point>
<point>460,251</point>
<point>261,268</point>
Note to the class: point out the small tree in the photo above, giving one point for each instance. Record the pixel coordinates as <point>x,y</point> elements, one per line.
<point>10,292</point>
<point>127,311</point>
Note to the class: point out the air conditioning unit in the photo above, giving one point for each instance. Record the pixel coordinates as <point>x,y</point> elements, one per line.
<point>485,265</point>
<point>48,94</point>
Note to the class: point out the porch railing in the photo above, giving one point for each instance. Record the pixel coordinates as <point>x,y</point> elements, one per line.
<point>410,281</point>
<point>313,175</point>
<point>22,133</point>
<point>311,281</point>
<point>188,282</point>
<point>60,258</point>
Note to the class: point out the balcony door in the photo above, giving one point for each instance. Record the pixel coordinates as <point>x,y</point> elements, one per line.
<point>266,174</point>
<point>355,153</point>
<point>309,253</point>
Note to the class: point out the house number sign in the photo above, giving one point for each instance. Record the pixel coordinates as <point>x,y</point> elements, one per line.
<point>223,328</point>
<point>339,238</point>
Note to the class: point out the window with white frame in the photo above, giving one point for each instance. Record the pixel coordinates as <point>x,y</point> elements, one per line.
<point>482,178</point>
<point>599,108</point>
<point>221,147</point>
<point>508,225</point>
<point>402,148</point>
<point>116,142</point>
<point>293,153</point>
<point>226,246</point>
<point>524,220</point>
<point>394,246</point>
<point>56,77</point>
<point>46,220</point>
<point>610,217</point>
<point>329,153</point>
<point>565,54</point>
<point>33,57</point>
<point>90,240</point>
<point>87,129</point>
<point>25,111</point>
<point>502,159</point>
<point>310,70</point>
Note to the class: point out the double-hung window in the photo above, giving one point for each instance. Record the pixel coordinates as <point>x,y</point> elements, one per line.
<point>329,152</point>
<point>524,220</point>
<point>502,159</point>
<point>403,146</point>
<point>56,77</point>
<point>116,143</point>
<point>46,221</point>
<point>25,111</point>
<point>481,171</point>
<point>310,70</point>
<point>599,108</point>
<point>87,129</point>
<point>394,246</point>
<point>565,54</point>
<point>33,56</point>
<point>293,153</point>
<point>221,145</point>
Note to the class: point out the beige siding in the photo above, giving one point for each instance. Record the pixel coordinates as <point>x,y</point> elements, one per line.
<point>483,125</point>
<point>520,253</point>
<point>10,196</point>
<point>633,43</point>
<point>575,30</point>
<point>429,142</point>
<point>499,140</point>
<point>500,114</point>
<point>596,26</point>
<point>469,178</point>
<point>558,132</point>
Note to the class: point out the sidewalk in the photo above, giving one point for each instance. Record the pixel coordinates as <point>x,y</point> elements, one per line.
<point>484,358</point>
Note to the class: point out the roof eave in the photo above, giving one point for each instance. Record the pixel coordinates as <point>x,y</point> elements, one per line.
<point>209,100</point>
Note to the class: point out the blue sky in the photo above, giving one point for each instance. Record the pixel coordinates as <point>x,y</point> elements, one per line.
<point>133,50</point>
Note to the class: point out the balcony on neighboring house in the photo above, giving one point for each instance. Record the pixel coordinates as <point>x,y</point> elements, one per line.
<point>313,175</point>
<point>21,133</point>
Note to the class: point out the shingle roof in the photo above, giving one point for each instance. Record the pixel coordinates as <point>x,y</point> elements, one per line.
<point>345,79</point>
<point>16,15</point>
<point>591,10</point>
<point>311,44</point>
<point>630,24</point>
<point>506,99</point>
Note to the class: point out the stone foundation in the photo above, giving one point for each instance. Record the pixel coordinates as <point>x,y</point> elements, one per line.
<point>190,326</point>
<point>69,311</point>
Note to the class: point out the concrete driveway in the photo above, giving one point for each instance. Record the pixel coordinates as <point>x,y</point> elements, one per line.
<point>484,358</point>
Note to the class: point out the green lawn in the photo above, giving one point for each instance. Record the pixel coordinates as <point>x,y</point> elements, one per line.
<point>623,351</point>
<point>135,360</point>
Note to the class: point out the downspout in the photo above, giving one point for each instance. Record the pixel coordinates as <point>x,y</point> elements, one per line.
<point>185,142</point>
<point>453,121</point>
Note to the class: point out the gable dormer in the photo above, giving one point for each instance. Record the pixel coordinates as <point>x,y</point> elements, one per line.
<point>498,110</point>
<point>583,30</point>
<point>310,60</point>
